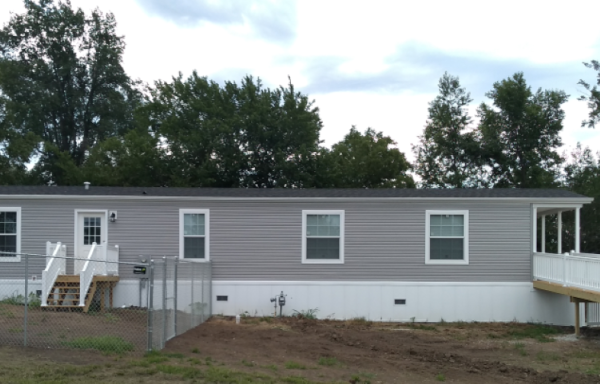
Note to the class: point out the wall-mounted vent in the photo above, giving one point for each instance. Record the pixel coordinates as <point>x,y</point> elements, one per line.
<point>399,301</point>
<point>221,298</point>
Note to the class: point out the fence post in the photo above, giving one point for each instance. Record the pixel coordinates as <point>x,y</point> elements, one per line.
<point>150,304</point>
<point>202,268</point>
<point>176,259</point>
<point>164,302</point>
<point>26,300</point>
<point>192,316</point>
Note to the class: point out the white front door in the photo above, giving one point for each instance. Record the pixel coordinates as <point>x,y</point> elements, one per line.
<point>91,228</point>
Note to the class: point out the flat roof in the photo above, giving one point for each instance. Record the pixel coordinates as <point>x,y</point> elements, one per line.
<point>290,192</point>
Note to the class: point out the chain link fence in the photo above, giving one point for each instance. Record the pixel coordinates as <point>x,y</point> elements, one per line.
<point>48,304</point>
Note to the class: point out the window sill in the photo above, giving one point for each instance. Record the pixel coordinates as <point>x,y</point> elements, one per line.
<point>195,260</point>
<point>16,259</point>
<point>447,262</point>
<point>322,261</point>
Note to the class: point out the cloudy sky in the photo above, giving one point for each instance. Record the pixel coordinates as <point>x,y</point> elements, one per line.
<point>365,63</point>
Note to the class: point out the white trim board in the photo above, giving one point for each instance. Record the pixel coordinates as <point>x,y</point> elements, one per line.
<point>206,213</point>
<point>541,200</point>
<point>17,258</point>
<point>76,227</point>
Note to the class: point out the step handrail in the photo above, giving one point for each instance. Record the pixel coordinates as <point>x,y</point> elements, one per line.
<point>55,266</point>
<point>90,268</point>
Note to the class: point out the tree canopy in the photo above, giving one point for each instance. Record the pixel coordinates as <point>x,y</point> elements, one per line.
<point>521,133</point>
<point>364,161</point>
<point>62,87</point>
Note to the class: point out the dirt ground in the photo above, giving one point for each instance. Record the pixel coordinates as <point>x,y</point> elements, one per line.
<point>56,329</point>
<point>292,350</point>
<point>399,353</point>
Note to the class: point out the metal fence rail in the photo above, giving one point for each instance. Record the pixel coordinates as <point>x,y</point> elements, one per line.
<point>114,315</point>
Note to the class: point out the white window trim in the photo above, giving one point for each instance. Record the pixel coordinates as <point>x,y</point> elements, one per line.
<point>206,213</point>
<point>465,237</point>
<point>341,213</point>
<point>17,258</point>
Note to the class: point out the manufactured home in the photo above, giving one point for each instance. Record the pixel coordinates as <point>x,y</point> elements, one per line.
<point>381,254</point>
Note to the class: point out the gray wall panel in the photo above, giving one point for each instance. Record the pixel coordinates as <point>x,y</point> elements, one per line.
<point>261,240</point>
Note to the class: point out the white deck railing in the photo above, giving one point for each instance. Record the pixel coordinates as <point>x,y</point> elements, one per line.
<point>95,264</point>
<point>55,266</point>
<point>581,270</point>
<point>112,260</point>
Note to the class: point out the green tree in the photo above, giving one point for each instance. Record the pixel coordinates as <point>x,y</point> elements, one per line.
<point>582,175</point>
<point>593,98</point>
<point>62,87</point>
<point>364,161</point>
<point>447,154</point>
<point>520,134</point>
<point>237,135</point>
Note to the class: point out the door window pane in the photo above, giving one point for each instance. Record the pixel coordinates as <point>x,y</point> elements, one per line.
<point>92,232</point>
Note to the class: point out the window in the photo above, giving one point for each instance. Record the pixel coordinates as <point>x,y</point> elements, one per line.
<point>10,234</point>
<point>447,239</point>
<point>194,234</point>
<point>91,230</point>
<point>323,237</point>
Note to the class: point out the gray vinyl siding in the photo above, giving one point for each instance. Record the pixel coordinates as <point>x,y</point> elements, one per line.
<point>261,240</point>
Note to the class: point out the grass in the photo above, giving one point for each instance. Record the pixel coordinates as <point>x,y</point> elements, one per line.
<point>547,356</point>
<point>294,365</point>
<point>537,332</point>
<point>440,377</point>
<point>306,314</point>
<point>106,344</point>
<point>521,348</point>
<point>328,361</point>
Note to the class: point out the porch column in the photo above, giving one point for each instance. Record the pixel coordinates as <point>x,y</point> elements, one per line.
<point>559,233</point>
<point>577,230</point>
<point>543,233</point>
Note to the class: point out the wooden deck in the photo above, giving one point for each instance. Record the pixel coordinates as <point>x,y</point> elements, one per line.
<point>583,295</point>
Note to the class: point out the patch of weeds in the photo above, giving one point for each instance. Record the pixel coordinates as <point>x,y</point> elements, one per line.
<point>208,360</point>
<point>328,361</point>
<point>521,348</point>
<point>154,357</point>
<point>296,380</point>
<point>586,355</point>
<point>272,367</point>
<point>195,350</point>
<point>357,379</point>
<point>440,377</point>
<point>294,365</point>
<point>547,356</point>
<point>32,300</point>
<point>106,344</point>
<point>306,314</point>
<point>109,317</point>
<point>175,355</point>
<point>537,332</point>
<point>15,330</point>
<point>593,371</point>
<point>248,363</point>
<point>194,361</point>
<point>360,321</point>
<point>266,319</point>
<point>185,372</point>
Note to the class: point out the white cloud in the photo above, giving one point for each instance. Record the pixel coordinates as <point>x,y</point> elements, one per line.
<point>373,64</point>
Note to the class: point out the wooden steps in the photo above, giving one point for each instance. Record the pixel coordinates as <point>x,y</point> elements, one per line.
<point>66,292</point>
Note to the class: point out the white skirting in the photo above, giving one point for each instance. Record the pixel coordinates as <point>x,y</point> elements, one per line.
<point>425,301</point>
